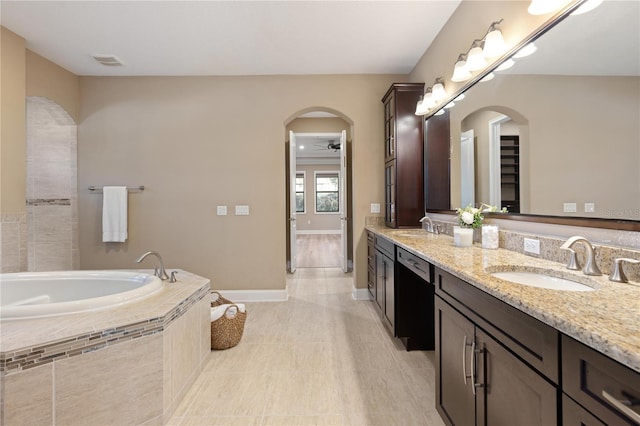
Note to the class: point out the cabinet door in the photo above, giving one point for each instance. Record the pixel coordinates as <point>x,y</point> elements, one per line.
<point>389,129</point>
<point>390,194</point>
<point>454,394</point>
<point>380,281</point>
<point>511,393</point>
<point>389,293</point>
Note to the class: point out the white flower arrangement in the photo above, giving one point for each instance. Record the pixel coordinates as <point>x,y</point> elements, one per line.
<point>470,217</point>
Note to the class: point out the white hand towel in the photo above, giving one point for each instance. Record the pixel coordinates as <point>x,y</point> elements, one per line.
<point>218,311</point>
<point>114,214</point>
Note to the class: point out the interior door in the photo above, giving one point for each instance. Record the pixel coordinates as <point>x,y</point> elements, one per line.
<point>467,169</point>
<point>292,203</point>
<point>344,223</point>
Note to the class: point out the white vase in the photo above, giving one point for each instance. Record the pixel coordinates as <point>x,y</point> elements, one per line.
<point>490,237</point>
<point>462,237</point>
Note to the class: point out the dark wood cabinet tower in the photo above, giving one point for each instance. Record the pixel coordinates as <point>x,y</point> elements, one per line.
<point>404,156</point>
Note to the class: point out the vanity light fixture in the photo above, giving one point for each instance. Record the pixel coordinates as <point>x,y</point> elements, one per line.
<point>494,42</point>
<point>527,50</point>
<point>450,105</point>
<point>587,6</point>
<point>460,97</point>
<point>440,112</point>
<point>421,107</point>
<point>428,100</point>
<point>438,92</point>
<point>475,57</point>
<point>460,70</point>
<point>542,7</point>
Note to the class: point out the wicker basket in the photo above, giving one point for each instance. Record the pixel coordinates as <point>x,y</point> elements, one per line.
<point>220,300</point>
<point>226,331</point>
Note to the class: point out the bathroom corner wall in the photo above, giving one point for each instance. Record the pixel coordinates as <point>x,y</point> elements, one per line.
<point>52,214</point>
<point>12,153</point>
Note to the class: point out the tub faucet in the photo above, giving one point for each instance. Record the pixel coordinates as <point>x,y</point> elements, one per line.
<point>590,267</point>
<point>159,269</point>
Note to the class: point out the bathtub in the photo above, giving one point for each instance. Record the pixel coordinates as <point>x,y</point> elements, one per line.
<point>27,295</point>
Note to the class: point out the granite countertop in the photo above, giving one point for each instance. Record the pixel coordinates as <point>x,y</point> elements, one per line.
<point>607,319</point>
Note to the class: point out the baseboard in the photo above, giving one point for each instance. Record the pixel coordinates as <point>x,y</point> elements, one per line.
<point>242,296</point>
<point>326,232</point>
<point>360,294</point>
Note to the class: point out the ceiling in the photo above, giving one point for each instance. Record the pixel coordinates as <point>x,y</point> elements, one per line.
<point>315,148</point>
<point>230,37</point>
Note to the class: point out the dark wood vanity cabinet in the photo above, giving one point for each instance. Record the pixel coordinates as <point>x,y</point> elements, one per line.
<point>597,389</point>
<point>371,265</point>
<point>482,377</point>
<point>403,142</point>
<point>385,281</point>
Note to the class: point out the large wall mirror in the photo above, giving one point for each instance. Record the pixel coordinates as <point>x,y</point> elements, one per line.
<point>558,133</point>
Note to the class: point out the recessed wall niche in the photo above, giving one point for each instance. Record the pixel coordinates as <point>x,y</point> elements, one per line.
<point>52,189</point>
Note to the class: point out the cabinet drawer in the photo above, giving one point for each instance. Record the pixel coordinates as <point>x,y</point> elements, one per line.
<point>533,341</point>
<point>386,247</point>
<point>418,266</point>
<point>604,387</point>
<point>574,415</point>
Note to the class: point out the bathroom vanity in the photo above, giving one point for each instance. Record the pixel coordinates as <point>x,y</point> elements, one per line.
<point>508,353</point>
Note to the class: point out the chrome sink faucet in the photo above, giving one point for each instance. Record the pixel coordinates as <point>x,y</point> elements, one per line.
<point>430,226</point>
<point>159,269</point>
<point>590,267</point>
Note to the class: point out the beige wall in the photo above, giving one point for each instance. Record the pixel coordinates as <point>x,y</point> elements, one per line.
<point>46,79</point>
<point>198,142</point>
<point>13,117</point>
<point>310,220</point>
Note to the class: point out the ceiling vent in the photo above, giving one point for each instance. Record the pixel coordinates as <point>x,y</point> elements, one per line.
<point>108,60</point>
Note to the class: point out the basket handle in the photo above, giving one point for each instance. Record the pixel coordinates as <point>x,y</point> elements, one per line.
<point>217,298</point>
<point>229,307</point>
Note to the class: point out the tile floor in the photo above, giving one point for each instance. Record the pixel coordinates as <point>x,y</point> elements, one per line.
<point>320,358</point>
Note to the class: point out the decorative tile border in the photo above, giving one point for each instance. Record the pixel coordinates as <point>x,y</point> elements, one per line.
<point>49,202</point>
<point>14,362</point>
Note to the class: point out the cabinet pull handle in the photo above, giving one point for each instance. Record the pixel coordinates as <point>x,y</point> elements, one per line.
<point>622,406</point>
<point>464,359</point>
<point>474,351</point>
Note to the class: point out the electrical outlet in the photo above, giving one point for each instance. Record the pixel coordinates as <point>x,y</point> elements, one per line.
<point>589,207</point>
<point>221,210</point>
<point>242,210</point>
<point>570,207</point>
<point>375,207</point>
<point>531,246</point>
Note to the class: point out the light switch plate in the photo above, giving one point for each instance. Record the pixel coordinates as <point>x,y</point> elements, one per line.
<point>569,207</point>
<point>375,207</point>
<point>589,207</point>
<point>242,210</point>
<point>221,210</point>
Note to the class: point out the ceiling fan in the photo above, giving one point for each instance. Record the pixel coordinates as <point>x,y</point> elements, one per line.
<point>331,145</point>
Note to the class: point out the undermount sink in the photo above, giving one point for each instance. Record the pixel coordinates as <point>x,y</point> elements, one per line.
<point>411,234</point>
<point>542,279</point>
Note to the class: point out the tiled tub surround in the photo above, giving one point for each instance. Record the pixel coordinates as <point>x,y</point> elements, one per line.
<point>606,319</point>
<point>13,239</point>
<point>128,365</point>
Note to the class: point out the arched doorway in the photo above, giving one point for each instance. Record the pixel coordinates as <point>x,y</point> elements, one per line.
<point>315,160</point>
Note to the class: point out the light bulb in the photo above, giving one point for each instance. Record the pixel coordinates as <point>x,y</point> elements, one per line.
<point>460,71</point>
<point>428,100</point>
<point>475,59</point>
<point>494,44</point>
<point>438,92</point>
<point>542,7</point>
<point>587,6</point>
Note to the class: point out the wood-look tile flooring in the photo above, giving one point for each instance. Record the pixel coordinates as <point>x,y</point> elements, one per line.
<point>320,358</point>
<point>318,251</point>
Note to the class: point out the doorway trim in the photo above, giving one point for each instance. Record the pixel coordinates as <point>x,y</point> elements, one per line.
<point>349,197</point>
